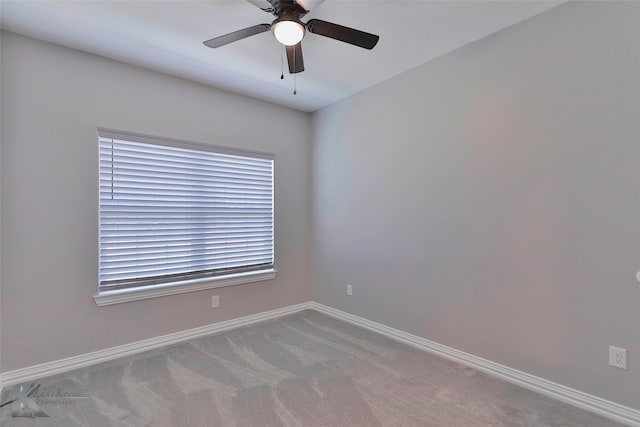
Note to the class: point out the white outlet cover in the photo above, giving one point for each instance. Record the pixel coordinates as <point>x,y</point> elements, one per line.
<point>215,301</point>
<point>638,276</point>
<point>618,357</point>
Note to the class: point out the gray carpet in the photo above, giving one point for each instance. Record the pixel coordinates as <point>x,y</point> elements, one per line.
<point>306,369</point>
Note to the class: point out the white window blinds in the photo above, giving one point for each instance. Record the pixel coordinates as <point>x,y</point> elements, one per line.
<point>172,211</point>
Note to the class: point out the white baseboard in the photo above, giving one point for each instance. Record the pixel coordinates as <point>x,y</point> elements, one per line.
<point>43,370</point>
<point>565,394</point>
<point>606,408</point>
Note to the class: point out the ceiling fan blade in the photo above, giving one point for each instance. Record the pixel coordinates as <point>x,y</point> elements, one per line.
<point>237,35</point>
<point>309,5</point>
<point>264,5</point>
<point>343,34</point>
<point>294,58</point>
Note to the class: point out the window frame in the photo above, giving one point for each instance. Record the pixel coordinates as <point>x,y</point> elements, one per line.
<point>115,296</point>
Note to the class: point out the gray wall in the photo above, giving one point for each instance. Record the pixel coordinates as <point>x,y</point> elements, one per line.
<point>488,200</point>
<point>52,100</point>
<point>0,214</point>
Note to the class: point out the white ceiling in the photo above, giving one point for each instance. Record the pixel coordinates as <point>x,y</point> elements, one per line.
<point>167,36</point>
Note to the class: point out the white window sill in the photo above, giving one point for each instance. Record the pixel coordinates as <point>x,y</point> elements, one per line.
<point>134,294</point>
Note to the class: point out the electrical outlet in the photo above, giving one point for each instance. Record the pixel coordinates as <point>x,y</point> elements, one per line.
<point>349,290</point>
<point>617,357</point>
<point>215,301</point>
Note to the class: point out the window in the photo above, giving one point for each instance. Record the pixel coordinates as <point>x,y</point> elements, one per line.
<point>177,216</point>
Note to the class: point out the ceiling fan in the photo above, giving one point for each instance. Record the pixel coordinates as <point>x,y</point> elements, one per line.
<point>289,30</point>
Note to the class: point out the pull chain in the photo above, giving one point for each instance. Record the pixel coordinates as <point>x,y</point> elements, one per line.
<point>112,156</point>
<point>282,64</point>
<point>295,80</point>
<point>295,92</point>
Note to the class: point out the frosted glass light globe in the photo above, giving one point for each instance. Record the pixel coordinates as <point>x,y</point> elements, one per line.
<point>289,33</point>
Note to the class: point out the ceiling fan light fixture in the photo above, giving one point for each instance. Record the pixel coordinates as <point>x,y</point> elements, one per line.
<point>288,32</point>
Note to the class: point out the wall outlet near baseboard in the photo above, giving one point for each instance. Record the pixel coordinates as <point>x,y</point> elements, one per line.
<point>349,290</point>
<point>617,357</point>
<point>215,301</point>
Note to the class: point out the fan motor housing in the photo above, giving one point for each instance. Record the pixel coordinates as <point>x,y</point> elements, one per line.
<point>287,7</point>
